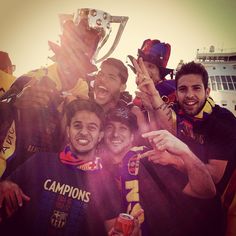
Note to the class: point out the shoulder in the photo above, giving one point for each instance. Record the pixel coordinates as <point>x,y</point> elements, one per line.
<point>223,113</point>
<point>42,159</point>
<point>221,118</point>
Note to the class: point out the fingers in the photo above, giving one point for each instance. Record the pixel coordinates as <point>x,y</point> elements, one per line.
<point>136,229</point>
<point>138,213</point>
<point>12,197</point>
<point>147,154</point>
<point>141,71</point>
<point>1,199</point>
<point>143,67</point>
<point>136,66</point>
<point>152,134</point>
<point>158,139</point>
<point>21,196</point>
<point>9,211</point>
<point>34,96</point>
<point>144,85</point>
<point>25,197</point>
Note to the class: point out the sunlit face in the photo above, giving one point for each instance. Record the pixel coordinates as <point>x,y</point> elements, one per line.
<point>191,93</point>
<point>84,132</point>
<point>107,85</point>
<point>118,137</point>
<point>153,72</point>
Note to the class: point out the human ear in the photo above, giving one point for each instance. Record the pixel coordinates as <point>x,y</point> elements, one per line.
<point>208,92</point>
<point>123,87</point>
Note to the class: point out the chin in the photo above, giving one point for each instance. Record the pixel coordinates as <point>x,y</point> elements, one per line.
<point>83,151</point>
<point>192,113</point>
<point>100,101</point>
<point>115,151</point>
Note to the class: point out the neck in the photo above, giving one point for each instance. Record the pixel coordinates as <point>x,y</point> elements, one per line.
<point>109,105</point>
<point>118,157</point>
<point>85,156</point>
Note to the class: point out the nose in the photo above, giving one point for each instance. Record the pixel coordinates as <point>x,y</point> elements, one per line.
<point>115,133</point>
<point>83,131</point>
<point>189,93</point>
<point>99,79</point>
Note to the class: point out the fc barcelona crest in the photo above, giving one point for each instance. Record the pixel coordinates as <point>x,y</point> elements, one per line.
<point>58,219</point>
<point>133,165</point>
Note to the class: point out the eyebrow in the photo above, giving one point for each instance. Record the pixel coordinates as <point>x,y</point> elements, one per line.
<point>112,75</point>
<point>184,86</point>
<point>91,123</point>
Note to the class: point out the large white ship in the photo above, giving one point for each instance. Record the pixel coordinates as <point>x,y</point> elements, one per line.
<point>221,67</point>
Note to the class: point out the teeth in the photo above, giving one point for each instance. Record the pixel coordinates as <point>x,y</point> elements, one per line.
<point>116,142</point>
<point>83,141</point>
<point>102,87</point>
<point>190,103</point>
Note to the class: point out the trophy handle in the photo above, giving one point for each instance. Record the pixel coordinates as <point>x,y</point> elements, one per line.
<point>114,19</point>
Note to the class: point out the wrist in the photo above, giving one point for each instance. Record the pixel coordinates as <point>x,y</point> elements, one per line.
<point>187,154</point>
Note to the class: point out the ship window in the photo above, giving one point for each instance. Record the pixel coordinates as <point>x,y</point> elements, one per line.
<point>213,83</point>
<point>234,81</point>
<point>218,82</point>
<point>224,83</point>
<point>230,83</point>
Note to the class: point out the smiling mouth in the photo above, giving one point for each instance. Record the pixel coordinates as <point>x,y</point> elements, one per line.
<point>116,142</point>
<point>101,91</point>
<point>102,88</point>
<point>83,141</point>
<point>190,103</point>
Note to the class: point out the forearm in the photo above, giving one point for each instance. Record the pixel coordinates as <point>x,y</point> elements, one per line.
<point>216,169</point>
<point>162,113</point>
<point>200,181</point>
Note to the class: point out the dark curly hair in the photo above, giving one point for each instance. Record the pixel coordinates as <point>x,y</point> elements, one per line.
<point>84,105</point>
<point>193,68</point>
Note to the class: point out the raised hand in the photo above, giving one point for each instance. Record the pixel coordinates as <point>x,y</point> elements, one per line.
<point>143,80</point>
<point>11,197</point>
<point>36,94</point>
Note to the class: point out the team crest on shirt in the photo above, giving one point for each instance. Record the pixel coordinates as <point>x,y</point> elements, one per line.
<point>133,165</point>
<point>58,219</point>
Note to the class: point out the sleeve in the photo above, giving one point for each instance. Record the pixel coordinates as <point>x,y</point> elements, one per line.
<point>22,174</point>
<point>222,137</point>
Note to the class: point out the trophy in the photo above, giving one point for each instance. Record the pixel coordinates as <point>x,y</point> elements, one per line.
<point>100,22</point>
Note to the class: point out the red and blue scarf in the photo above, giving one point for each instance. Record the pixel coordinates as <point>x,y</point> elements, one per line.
<point>185,124</point>
<point>69,158</point>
